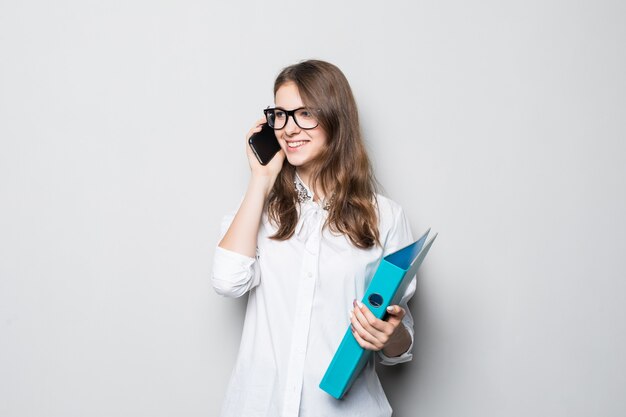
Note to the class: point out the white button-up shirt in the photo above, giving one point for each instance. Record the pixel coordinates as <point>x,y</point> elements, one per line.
<point>300,294</point>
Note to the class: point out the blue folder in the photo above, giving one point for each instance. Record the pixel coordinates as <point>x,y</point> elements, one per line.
<point>388,285</point>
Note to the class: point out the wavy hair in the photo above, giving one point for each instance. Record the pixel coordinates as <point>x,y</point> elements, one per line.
<point>343,168</point>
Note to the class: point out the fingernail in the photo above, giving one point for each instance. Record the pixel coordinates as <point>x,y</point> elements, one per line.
<point>390,309</point>
<point>350,314</point>
<point>360,304</point>
<point>354,302</point>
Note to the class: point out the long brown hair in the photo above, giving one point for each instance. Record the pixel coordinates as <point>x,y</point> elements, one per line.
<point>343,168</point>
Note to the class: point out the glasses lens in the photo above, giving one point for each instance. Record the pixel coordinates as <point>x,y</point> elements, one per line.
<point>305,119</point>
<point>275,118</point>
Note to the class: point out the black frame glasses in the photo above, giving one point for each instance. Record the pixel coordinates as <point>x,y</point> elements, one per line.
<point>291,113</point>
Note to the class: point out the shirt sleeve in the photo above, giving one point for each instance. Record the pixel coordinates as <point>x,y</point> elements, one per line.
<point>400,236</point>
<point>234,274</point>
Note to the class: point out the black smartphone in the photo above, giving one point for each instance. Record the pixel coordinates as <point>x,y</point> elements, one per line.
<point>264,144</point>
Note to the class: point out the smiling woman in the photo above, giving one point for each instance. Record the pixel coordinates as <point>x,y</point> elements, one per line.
<point>303,146</point>
<point>304,243</point>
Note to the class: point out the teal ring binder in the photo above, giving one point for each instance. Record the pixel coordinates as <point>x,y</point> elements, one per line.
<point>389,283</point>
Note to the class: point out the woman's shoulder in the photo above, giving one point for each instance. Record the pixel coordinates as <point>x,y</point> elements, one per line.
<point>390,214</point>
<point>395,230</point>
<point>387,207</point>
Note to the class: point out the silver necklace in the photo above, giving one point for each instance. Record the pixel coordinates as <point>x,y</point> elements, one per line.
<point>303,195</point>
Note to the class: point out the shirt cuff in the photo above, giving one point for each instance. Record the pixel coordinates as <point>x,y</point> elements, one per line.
<point>233,273</point>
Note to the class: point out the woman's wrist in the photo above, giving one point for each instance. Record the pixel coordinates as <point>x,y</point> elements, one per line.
<point>399,342</point>
<point>261,183</point>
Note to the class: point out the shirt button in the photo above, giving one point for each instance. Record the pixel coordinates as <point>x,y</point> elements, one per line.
<point>309,274</point>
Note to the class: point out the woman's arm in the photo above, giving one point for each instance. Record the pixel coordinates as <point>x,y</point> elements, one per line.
<point>241,236</point>
<point>235,268</point>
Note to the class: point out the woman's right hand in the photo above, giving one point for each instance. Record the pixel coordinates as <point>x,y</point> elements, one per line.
<point>272,169</point>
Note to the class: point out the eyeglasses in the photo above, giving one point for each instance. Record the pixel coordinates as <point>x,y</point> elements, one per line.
<point>277,118</point>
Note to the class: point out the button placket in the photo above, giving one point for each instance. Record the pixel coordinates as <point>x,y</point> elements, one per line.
<point>300,335</point>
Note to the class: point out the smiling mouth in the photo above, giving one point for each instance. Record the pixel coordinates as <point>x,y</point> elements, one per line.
<point>296,144</point>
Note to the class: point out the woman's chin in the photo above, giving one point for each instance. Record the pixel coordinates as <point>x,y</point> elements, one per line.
<point>295,161</point>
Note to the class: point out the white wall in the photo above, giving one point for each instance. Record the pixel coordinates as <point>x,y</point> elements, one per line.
<point>122,130</point>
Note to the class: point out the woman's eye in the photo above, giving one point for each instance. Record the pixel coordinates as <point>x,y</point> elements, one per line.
<point>279,114</point>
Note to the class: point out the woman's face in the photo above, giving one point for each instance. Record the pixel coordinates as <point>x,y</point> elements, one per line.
<point>300,145</point>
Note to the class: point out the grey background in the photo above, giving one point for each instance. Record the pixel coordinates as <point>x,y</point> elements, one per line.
<point>501,125</point>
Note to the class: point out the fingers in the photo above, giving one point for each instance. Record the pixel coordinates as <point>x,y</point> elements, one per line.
<point>257,128</point>
<point>370,332</point>
<point>369,328</point>
<point>396,313</point>
<point>369,322</point>
<point>364,344</point>
<point>260,122</point>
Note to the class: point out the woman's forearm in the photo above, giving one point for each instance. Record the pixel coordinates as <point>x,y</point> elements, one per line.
<point>241,236</point>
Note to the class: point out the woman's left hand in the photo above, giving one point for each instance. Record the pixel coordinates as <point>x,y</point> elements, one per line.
<point>373,333</point>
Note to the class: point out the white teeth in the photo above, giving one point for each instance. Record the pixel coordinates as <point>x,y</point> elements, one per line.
<point>296,144</point>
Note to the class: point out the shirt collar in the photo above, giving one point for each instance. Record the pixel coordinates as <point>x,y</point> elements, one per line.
<point>305,193</point>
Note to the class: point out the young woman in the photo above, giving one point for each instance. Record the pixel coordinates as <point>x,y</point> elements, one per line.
<point>304,243</point>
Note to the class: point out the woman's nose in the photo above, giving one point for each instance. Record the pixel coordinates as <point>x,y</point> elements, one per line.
<point>291,126</point>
